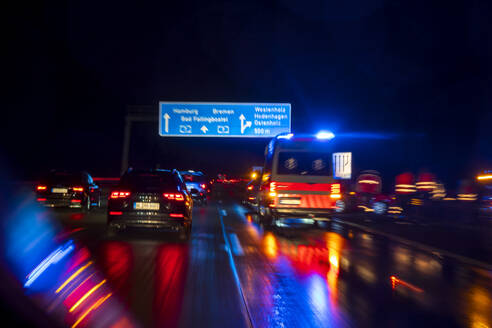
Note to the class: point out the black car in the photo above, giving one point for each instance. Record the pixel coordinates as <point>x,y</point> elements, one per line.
<point>251,193</point>
<point>70,189</point>
<point>151,199</point>
<point>197,185</point>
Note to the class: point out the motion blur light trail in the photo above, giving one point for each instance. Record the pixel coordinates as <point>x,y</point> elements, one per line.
<point>395,282</point>
<point>73,276</point>
<point>52,259</point>
<point>58,275</point>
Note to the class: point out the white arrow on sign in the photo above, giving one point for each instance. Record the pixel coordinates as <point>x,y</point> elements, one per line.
<point>166,123</point>
<point>204,129</point>
<point>244,126</point>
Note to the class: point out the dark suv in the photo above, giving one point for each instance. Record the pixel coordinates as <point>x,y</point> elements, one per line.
<point>151,199</point>
<point>68,189</point>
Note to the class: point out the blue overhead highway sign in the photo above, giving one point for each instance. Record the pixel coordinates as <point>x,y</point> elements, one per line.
<point>198,119</point>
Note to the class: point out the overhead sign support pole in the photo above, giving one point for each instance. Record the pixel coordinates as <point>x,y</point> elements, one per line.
<point>134,114</point>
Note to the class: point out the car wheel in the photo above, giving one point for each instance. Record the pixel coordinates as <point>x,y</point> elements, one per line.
<point>380,208</point>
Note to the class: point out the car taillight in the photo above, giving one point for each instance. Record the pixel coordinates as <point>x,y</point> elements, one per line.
<point>41,199</point>
<point>250,187</point>
<point>76,201</point>
<point>273,189</point>
<point>115,213</point>
<point>176,215</point>
<point>335,191</point>
<point>174,196</point>
<point>79,189</point>
<point>41,187</point>
<point>203,186</point>
<point>119,194</point>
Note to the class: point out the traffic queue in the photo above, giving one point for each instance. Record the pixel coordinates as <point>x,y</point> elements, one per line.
<point>299,184</point>
<point>304,180</point>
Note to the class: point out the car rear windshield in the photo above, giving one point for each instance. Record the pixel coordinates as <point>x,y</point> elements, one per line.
<point>149,180</point>
<point>64,178</point>
<point>304,163</point>
<point>193,177</point>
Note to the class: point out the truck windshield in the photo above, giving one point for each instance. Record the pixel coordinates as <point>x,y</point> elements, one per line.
<point>304,163</point>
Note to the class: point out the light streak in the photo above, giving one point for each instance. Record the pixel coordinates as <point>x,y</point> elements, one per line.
<point>72,277</point>
<point>92,308</point>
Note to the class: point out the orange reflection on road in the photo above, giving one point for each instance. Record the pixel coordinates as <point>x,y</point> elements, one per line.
<point>270,246</point>
<point>479,307</point>
<point>124,322</point>
<point>335,244</point>
<point>396,281</point>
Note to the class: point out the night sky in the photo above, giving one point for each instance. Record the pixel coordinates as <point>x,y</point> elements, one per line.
<point>416,71</point>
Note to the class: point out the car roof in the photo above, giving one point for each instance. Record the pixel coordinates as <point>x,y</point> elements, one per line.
<point>191,172</point>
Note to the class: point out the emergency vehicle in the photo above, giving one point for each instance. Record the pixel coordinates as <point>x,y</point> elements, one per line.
<point>300,181</point>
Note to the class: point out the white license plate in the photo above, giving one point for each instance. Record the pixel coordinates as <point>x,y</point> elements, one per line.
<point>146,206</point>
<point>290,201</point>
<point>59,190</point>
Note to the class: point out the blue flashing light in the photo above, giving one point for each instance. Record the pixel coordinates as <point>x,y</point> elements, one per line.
<point>324,135</point>
<point>285,136</point>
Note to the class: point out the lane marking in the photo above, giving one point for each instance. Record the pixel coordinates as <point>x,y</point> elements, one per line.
<point>235,274</point>
<point>223,212</point>
<point>429,249</point>
<point>236,245</point>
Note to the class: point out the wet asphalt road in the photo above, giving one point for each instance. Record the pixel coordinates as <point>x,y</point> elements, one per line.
<point>236,273</point>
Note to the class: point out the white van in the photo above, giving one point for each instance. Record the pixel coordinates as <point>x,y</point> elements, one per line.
<point>298,185</point>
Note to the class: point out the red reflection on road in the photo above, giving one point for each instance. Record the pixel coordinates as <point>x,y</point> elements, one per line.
<point>76,216</point>
<point>80,257</point>
<point>117,265</point>
<point>170,276</point>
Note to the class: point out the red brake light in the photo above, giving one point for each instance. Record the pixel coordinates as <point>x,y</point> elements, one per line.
<point>41,187</point>
<point>250,187</point>
<point>115,213</point>
<point>174,196</point>
<point>76,201</point>
<point>80,189</point>
<point>203,186</point>
<point>175,215</point>
<point>41,199</point>
<point>120,194</point>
